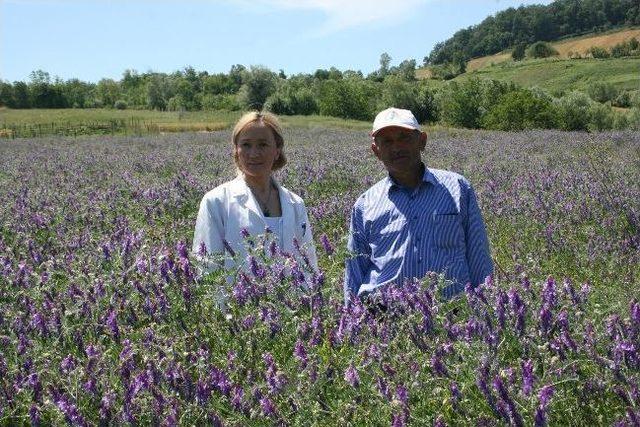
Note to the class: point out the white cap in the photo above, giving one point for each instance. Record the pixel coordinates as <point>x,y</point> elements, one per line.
<point>394,117</point>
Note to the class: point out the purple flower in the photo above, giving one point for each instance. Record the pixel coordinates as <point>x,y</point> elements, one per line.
<point>34,416</point>
<point>267,407</point>
<point>544,396</point>
<point>237,395</point>
<point>301,354</point>
<point>351,376</point>
<point>383,388</point>
<point>402,395</point>
<point>67,364</point>
<point>326,244</point>
<point>527,377</point>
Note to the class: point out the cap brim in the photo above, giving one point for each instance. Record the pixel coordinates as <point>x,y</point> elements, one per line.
<point>394,125</point>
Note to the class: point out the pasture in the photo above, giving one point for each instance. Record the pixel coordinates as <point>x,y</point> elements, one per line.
<point>103,320</point>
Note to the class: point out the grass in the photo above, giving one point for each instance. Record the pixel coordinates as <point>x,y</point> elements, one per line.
<point>561,74</point>
<point>73,122</point>
<point>557,75</point>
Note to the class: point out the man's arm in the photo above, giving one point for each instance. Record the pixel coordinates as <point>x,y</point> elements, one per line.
<point>358,260</point>
<point>478,252</point>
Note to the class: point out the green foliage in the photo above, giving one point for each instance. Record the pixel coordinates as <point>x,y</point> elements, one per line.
<point>541,50</point>
<point>348,99</point>
<point>601,117</point>
<point>464,104</point>
<point>574,110</point>
<point>257,84</point>
<point>602,91</point>
<point>226,102</point>
<point>120,104</point>
<point>599,52</point>
<point>623,100</point>
<point>626,48</point>
<point>527,24</point>
<point>108,92</point>
<point>521,109</point>
<point>519,52</point>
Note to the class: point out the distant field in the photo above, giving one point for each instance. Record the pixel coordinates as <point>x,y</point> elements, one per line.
<point>623,72</point>
<point>558,75</point>
<point>72,122</point>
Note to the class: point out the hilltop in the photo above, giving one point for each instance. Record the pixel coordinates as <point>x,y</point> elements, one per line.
<point>571,69</point>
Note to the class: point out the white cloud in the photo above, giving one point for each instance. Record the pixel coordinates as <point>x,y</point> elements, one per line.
<point>343,14</point>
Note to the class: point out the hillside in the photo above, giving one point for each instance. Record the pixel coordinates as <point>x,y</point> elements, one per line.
<point>561,73</point>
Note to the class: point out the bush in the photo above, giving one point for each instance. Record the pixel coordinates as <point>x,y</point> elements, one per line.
<point>623,100</point>
<point>465,104</point>
<point>620,121</point>
<point>257,84</point>
<point>541,50</point>
<point>352,99</point>
<point>602,91</point>
<point>519,110</point>
<point>600,117</point>
<point>574,110</point>
<point>519,52</point>
<point>120,105</point>
<point>634,119</point>
<point>226,102</point>
<point>599,52</point>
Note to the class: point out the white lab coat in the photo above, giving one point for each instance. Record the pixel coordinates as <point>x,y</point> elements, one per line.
<point>231,207</point>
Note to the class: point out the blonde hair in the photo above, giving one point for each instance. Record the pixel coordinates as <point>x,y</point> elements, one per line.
<point>267,119</point>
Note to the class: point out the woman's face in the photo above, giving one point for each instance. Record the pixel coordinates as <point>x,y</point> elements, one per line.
<point>257,150</point>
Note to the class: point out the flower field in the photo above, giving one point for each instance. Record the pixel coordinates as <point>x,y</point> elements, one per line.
<point>103,320</point>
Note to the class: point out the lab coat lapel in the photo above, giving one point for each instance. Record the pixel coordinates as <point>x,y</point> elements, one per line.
<point>288,218</point>
<point>244,197</point>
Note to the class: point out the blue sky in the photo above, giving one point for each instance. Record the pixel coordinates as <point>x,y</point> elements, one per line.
<point>94,39</point>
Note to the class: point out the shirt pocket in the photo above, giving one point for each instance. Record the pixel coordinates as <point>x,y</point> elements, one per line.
<point>447,231</point>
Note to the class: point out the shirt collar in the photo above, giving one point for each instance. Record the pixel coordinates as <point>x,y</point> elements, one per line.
<point>427,178</point>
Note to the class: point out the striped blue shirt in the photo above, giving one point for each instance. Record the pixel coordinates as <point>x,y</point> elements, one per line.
<point>398,233</point>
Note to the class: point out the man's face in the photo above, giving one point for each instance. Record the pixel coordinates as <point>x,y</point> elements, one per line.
<point>399,148</point>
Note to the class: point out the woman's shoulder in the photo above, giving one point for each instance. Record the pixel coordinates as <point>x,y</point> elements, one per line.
<point>225,190</point>
<point>293,197</point>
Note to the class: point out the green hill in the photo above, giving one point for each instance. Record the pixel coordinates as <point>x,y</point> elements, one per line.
<point>562,75</point>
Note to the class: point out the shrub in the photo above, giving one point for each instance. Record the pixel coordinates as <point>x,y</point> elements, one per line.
<point>519,110</point>
<point>574,110</point>
<point>620,121</point>
<point>349,99</point>
<point>634,119</point>
<point>228,102</point>
<point>602,91</point>
<point>257,84</point>
<point>120,105</point>
<point>541,50</point>
<point>519,52</point>
<point>599,52</point>
<point>600,117</point>
<point>623,100</point>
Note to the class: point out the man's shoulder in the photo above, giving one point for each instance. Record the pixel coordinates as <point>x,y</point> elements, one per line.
<point>442,175</point>
<point>374,192</point>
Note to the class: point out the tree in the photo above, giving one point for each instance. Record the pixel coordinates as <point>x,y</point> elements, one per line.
<point>519,52</point>
<point>385,61</point>
<point>541,50</point>
<point>108,92</point>
<point>21,95</point>
<point>521,109</point>
<point>257,84</point>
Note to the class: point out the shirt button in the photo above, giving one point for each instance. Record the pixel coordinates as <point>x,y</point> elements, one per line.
<point>415,217</point>
<point>419,260</point>
<point>417,239</point>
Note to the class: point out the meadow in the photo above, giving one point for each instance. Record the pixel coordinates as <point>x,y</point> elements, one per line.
<point>104,320</point>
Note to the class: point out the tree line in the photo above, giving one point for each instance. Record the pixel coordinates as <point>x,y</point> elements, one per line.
<point>528,24</point>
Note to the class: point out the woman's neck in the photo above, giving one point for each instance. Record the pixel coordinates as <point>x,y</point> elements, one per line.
<point>260,184</point>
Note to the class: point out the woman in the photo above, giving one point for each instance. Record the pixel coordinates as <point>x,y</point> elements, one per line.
<point>252,202</point>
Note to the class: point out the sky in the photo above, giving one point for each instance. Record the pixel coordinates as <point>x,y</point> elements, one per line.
<point>95,39</point>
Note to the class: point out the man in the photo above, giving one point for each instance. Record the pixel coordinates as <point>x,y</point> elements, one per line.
<point>415,220</point>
